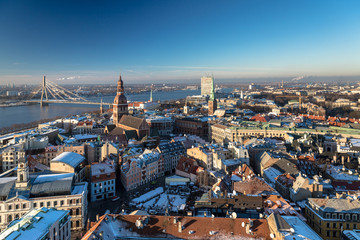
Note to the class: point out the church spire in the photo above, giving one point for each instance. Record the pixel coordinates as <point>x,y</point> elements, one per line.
<point>120,86</point>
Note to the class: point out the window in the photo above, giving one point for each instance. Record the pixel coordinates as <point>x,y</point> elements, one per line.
<point>10,207</point>
<point>354,217</point>
<point>41,204</point>
<point>48,204</point>
<point>24,205</point>
<point>327,225</point>
<point>55,203</point>
<point>354,225</point>
<point>334,233</point>
<point>348,226</point>
<point>17,206</point>
<point>61,202</point>
<point>35,204</point>
<point>334,225</point>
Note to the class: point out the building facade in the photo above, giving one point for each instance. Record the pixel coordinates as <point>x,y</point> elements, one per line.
<point>193,126</point>
<point>142,169</point>
<point>25,192</point>
<point>207,83</point>
<point>11,157</point>
<point>163,125</point>
<point>329,217</point>
<point>171,153</point>
<point>103,181</point>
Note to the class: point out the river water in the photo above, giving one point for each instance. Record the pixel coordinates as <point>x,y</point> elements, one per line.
<point>30,113</point>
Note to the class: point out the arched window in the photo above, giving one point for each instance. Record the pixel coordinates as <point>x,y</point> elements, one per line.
<point>9,218</point>
<point>21,178</point>
<point>77,223</point>
<point>71,213</point>
<point>17,216</point>
<point>77,211</point>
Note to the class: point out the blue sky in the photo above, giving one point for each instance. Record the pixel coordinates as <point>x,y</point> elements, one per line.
<point>170,41</point>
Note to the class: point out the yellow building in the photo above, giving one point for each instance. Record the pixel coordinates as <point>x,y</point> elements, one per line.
<point>329,217</point>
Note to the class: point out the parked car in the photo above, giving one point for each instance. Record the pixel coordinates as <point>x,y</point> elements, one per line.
<point>115,198</point>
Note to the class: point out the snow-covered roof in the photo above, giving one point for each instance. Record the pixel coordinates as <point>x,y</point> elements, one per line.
<point>34,224</point>
<point>85,136</point>
<point>70,158</point>
<point>339,174</point>
<point>271,173</point>
<point>301,230</point>
<point>149,195</point>
<point>101,168</point>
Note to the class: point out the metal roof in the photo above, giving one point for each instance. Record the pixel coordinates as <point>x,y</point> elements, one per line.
<point>70,158</point>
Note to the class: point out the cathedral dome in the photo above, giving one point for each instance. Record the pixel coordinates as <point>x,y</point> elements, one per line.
<point>120,99</point>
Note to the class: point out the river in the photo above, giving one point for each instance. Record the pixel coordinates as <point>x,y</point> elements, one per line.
<point>30,113</point>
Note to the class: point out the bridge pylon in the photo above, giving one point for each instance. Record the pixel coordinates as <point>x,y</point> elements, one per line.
<point>43,91</point>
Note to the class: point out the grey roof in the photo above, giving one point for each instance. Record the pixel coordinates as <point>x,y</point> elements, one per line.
<point>5,185</point>
<point>281,223</point>
<point>337,204</point>
<point>70,158</point>
<point>52,184</point>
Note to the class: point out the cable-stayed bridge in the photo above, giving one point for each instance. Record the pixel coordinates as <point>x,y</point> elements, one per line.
<point>54,93</point>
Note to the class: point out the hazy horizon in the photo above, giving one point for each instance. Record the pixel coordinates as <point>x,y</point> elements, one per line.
<point>230,81</point>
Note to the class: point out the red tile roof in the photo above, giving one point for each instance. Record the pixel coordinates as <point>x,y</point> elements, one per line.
<point>187,165</point>
<point>192,227</point>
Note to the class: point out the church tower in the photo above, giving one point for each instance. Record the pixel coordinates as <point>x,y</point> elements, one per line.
<point>120,106</point>
<point>212,104</point>
<point>22,174</point>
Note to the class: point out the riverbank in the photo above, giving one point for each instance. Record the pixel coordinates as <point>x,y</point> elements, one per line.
<point>16,104</point>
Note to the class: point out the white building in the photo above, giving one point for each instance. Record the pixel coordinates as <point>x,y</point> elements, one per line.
<point>26,191</point>
<point>39,224</point>
<point>11,156</point>
<point>103,178</point>
<point>239,151</point>
<point>207,83</point>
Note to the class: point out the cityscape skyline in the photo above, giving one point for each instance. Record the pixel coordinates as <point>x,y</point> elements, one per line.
<point>177,41</point>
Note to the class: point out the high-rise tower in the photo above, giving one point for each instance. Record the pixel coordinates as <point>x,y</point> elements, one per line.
<point>207,83</point>
<point>120,106</point>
